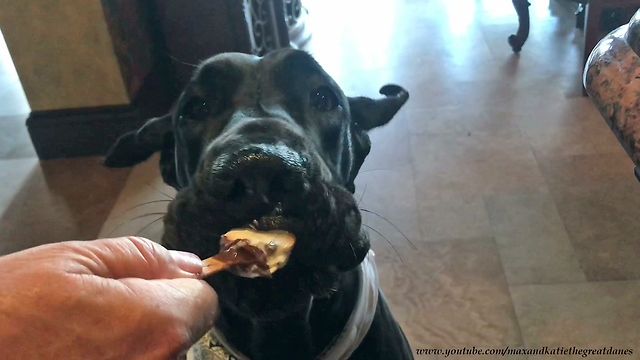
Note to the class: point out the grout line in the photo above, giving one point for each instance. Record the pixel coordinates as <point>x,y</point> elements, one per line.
<point>555,205</point>
<point>631,281</point>
<point>513,306</point>
<point>417,213</point>
<point>504,273</point>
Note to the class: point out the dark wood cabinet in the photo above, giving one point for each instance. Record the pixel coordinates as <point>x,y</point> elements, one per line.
<point>156,44</point>
<point>198,29</point>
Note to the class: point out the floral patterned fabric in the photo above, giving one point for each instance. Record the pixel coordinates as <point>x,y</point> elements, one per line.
<point>633,33</point>
<point>209,348</point>
<point>612,80</point>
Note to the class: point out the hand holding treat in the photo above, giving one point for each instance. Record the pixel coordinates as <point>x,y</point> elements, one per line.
<point>62,296</point>
<point>251,253</point>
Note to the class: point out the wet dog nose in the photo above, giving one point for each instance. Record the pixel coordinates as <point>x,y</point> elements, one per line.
<point>259,174</point>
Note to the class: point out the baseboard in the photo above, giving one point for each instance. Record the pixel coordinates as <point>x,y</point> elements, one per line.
<point>91,131</point>
<point>79,132</point>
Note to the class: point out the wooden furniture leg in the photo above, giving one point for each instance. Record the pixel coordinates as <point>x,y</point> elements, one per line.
<point>522,9</point>
<point>591,27</point>
<point>591,30</point>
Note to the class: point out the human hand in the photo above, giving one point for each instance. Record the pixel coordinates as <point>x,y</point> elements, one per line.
<point>125,298</point>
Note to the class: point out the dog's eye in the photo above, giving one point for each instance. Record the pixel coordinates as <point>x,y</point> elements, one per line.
<point>196,109</point>
<point>324,99</point>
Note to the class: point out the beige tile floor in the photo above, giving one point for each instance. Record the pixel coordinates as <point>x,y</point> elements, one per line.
<point>519,207</point>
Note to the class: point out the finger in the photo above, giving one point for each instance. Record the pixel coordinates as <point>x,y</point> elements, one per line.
<point>189,305</point>
<point>134,257</point>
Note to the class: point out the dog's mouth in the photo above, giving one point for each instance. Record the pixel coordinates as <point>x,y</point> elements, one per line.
<point>274,188</point>
<point>324,220</point>
<point>264,193</point>
<point>317,245</point>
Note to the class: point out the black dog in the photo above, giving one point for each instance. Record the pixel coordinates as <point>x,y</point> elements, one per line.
<point>274,142</point>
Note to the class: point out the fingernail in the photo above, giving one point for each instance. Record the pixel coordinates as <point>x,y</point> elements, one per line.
<point>187,261</point>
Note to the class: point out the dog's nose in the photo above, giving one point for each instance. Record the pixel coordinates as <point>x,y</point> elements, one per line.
<point>259,174</point>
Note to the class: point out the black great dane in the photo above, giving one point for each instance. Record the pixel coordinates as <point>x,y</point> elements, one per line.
<point>274,142</point>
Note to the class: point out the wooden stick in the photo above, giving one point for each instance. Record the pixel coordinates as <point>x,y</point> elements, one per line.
<point>230,256</point>
<point>214,264</point>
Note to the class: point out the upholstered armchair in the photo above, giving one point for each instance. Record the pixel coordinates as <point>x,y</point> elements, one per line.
<point>612,80</point>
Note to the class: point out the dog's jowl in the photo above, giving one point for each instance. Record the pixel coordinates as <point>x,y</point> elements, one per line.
<point>274,142</point>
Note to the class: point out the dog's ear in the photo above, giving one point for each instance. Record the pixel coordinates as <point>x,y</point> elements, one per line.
<point>137,146</point>
<point>368,113</point>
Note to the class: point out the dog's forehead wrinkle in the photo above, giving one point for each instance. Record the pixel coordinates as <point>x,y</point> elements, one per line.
<point>227,67</point>
<point>239,60</point>
<point>276,57</point>
<point>288,60</point>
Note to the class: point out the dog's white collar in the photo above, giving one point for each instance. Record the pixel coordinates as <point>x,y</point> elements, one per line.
<point>342,345</point>
<point>362,316</point>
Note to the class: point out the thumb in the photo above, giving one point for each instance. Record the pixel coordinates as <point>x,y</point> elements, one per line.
<point>186,308</point>
<point>131,257</point>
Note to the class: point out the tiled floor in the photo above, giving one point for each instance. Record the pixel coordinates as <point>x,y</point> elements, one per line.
<point>45,201</point>
<point>507,211</point>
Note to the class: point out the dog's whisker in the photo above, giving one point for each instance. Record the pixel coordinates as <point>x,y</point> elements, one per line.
<point>140,205</point>
<point>182,62</point>
<point>363,192</point>
<point>160,191</point>
<point>370,170</point>
<point>148,214</point>
<point>384,237</point>
<point>146,203</point>
<point>133,218</point>
<point>354,252</point>
<point>392,224</point>
<point>149,224</point>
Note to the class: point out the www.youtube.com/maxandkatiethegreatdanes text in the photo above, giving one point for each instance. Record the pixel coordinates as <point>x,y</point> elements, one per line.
<point>584,352</point>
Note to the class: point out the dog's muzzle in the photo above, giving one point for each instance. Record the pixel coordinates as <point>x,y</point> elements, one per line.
<point>261,174</point>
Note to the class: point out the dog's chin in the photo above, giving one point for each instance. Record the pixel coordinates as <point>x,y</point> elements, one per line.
<point>289,291</point>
